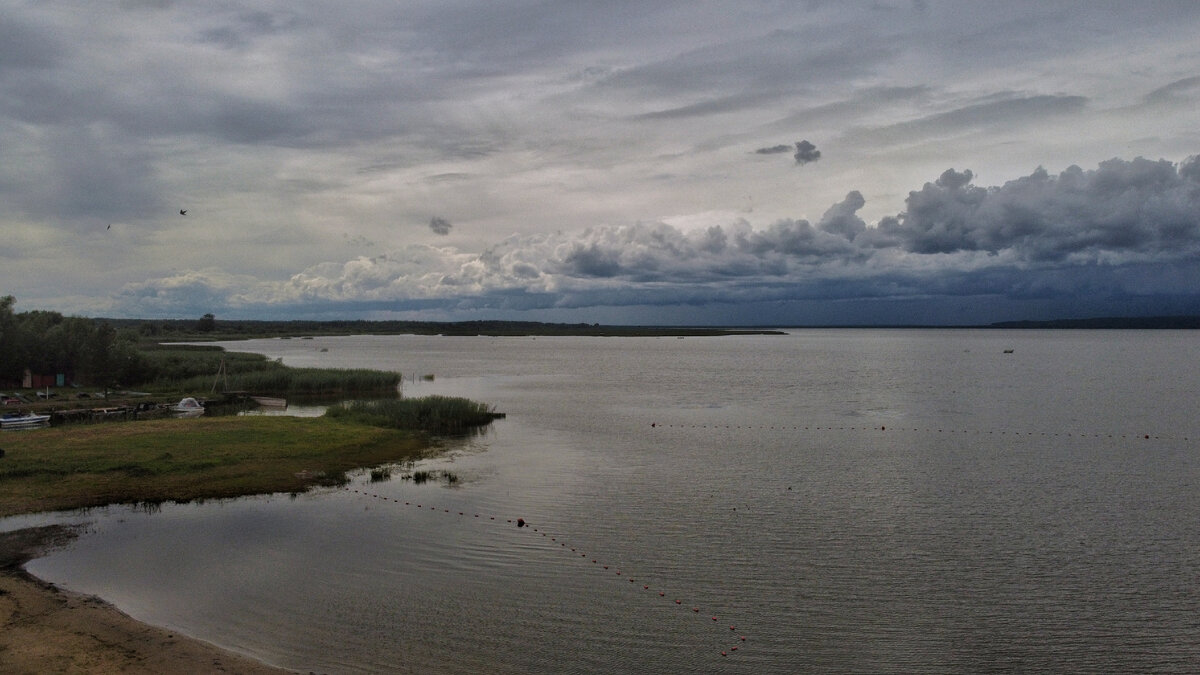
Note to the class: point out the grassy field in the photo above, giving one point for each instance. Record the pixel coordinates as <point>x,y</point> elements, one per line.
<point>185,459</point>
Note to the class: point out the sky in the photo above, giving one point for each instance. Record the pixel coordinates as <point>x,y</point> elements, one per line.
<point>669,162</point>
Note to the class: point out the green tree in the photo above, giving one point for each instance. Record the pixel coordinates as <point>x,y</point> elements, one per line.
<point>207,323</point>
<point>12,343</point>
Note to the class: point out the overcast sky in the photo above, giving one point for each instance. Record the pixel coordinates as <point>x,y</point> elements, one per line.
<point>677,162</point>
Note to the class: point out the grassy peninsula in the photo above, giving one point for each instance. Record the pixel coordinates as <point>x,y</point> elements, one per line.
<point>76,466</point>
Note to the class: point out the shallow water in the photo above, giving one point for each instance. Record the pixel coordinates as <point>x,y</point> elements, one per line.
<point>849,501</point>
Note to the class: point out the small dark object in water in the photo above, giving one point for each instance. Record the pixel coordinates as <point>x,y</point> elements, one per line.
<point>183,212</point>
<point>520,522</point>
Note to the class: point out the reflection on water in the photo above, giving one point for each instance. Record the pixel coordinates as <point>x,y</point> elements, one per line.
<point>848,501</point>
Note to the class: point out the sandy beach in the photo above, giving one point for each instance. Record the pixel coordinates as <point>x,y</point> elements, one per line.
<point>45,629</point>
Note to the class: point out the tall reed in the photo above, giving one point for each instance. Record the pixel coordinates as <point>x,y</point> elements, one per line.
<point>434,414</point>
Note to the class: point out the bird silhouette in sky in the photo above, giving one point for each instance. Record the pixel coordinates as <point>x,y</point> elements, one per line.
<point>183,212</point>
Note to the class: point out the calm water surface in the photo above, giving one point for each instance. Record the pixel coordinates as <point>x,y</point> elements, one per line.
<point>850,501</point>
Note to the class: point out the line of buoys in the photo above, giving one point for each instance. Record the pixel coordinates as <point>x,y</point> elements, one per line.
<point>522,523</point>
<point>928,430</point>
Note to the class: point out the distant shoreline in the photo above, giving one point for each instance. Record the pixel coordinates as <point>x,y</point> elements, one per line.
<point>177,330</point>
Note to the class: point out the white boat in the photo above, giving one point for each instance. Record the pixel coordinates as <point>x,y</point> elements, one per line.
<point>188,406</point>
<point>23,420</point>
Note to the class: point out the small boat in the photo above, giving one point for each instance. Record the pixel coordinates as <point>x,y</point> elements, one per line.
<point>189,407</point>
<point>23,420</point>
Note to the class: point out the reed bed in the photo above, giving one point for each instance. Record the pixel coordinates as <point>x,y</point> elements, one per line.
<point>195,368</point>
<point>433,414</point>
<point>285,380</point>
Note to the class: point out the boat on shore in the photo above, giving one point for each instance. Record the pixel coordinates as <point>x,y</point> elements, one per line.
<point>188,407</point>
<point>23,420</point>
<point>270,401</point>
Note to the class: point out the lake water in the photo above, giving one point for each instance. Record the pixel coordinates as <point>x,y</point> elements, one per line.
<point>882,501</point>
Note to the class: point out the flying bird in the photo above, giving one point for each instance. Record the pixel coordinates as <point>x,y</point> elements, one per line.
<point>183,212</point>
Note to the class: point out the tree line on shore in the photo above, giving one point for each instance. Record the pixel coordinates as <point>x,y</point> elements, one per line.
<point>47,343</point>
<point>103,353</point>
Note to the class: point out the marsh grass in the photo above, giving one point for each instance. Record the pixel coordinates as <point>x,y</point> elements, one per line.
<point>194,368</point>
<point>187,459</point>
<point>432,414</point>
<point>423,476</point>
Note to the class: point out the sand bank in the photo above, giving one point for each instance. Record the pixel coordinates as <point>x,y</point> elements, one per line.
<point>44,629</point>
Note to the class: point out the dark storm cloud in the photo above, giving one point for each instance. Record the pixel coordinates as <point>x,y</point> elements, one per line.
<point>774,150</point>
<point>439,225</point>
<point>1120,208</point>
<point>806,152</point>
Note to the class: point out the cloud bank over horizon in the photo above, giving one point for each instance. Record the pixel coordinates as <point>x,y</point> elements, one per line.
<point>1124,229</point>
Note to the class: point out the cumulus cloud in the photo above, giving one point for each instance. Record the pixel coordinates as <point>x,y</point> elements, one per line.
<point>1120,209</point>
<point>439,225</point>
<point>806,152</point>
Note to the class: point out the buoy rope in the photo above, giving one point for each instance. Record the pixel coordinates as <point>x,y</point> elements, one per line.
<point>736,637</point>
<point>927,430</point>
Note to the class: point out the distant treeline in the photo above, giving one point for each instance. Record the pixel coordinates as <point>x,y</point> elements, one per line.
<point>209,326</point>
<point>1148,322</point>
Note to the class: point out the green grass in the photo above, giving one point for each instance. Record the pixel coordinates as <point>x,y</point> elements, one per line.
<point>185,459</point>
